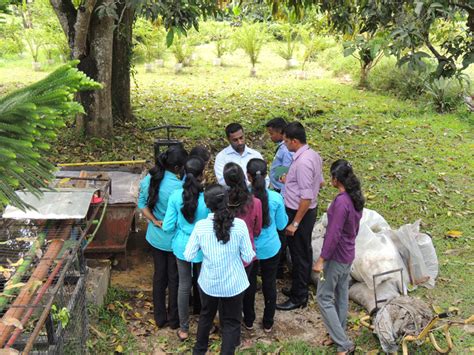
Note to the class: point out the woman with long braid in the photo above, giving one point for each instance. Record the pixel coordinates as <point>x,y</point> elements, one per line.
<point>267,244</point>
<point>338,253</point>
<point>155,189</point>
<point>224,242</point>
<point>186,207</point>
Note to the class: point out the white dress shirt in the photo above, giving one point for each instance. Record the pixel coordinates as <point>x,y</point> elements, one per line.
<point>228,155</point>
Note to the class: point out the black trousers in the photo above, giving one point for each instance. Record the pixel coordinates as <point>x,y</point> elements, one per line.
<point>268,269</point>
<point>230,314</point>
<point>283,251</point>
<point>301,255</point>
<point>195,296</point>
<point>165,276</point>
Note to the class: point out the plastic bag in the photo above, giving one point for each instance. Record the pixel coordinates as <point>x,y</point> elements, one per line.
<point>374,220</point>
<point>428,251</point>
<point>387,290</point>
<point>405,241</point>
<point>374,254</point>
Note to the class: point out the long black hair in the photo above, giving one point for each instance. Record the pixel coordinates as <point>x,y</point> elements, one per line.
<point>172,160</point>
<point>217,199</point>
<point>240,197</point>
<point>342,170</point>
<point>192,187</point>
<point>257,169</point>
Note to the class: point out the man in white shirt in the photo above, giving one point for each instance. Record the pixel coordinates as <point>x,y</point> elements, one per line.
<point>237,152</point>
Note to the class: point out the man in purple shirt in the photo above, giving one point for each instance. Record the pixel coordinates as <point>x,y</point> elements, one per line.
<point>302,185</point>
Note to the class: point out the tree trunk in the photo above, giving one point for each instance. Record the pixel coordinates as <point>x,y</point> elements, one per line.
<point>91,41</point>
<point>364,75</point>
<point>97,64</point>
<point>122,49</point>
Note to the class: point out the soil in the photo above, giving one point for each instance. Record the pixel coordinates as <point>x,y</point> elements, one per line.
<point>302,324</point>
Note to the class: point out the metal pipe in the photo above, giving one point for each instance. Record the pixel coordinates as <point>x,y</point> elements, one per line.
<point>93,163</point>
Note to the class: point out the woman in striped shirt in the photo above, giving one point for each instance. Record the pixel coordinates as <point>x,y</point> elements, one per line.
<point>186,207</point>
<point>224,242</point>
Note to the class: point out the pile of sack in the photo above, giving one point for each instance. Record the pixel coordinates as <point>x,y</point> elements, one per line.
<point>379,249</point>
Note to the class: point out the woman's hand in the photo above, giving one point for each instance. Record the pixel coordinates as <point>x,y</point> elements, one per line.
<point>290,230</point>
<point>318,265</point>
<point>158,223</point>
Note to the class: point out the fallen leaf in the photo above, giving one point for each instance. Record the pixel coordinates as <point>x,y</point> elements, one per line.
<point>10,286</point>
<point>13,322</point>
<point>454,234</point>
<point>138,315</point>
<point>119,349</point>
<point>18,263</point>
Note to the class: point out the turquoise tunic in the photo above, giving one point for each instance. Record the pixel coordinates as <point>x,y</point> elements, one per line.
<point>268,244</point>
<point>156,236</point>
<point>175,222</point>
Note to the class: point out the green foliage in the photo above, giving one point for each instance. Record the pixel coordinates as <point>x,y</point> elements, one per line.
<point>28,118</point>
<point>179,16</point>
<point>182,49</point>
<point>368,49</point>
<point>250,38</point>
<point>445,94</point>
<point>60,315</point>
<point>35,40</point>
<point>220,33</point>
<point>312,44</point>
<point>148,40</point>
<point>10,38</point>
<point>289,33</point>
<point>403,82</point>
<point>413,28</point>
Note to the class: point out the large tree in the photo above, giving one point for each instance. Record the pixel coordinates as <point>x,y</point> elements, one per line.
<point>99,34</point>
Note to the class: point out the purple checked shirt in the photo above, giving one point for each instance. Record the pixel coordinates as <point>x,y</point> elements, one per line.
<point>343,226</point>
<point>304,178</point>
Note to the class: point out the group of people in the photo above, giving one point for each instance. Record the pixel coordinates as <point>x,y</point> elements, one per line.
<point>223,235</point>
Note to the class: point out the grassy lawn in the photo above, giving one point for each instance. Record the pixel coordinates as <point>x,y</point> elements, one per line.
<point>414,163</point>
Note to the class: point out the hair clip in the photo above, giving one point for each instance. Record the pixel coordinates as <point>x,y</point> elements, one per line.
<point>258,172</point>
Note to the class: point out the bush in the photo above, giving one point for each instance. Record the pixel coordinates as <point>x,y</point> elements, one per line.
<point>333,59</point>
<point>10,39</point>
<point>148,41</point>
<point>251,38</point>
<point>444,94</point>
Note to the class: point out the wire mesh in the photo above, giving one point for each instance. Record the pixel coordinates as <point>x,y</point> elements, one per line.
<point>47,307</point>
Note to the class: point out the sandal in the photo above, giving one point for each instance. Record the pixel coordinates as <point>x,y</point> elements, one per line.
<point>182,335</point>
<point>327,342</point>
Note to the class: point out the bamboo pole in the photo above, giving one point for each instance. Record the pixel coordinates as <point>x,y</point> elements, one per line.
<point>22,269</point>
<point>39,274</point>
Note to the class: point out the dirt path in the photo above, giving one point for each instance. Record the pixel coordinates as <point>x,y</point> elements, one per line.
<point>304,324</point>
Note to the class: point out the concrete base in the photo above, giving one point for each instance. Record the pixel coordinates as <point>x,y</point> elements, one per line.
<point>98,280</point>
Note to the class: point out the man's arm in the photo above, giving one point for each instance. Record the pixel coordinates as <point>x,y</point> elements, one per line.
<point>219,168</point>
<point>302,209</point>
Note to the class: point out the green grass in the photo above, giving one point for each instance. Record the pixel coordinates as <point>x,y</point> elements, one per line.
<point>413,163</point>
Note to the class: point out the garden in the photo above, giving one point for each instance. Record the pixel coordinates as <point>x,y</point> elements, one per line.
<point>398,105</point>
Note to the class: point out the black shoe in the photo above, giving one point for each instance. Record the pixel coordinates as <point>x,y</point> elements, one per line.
<point>289,306</point>
<point>286,291</point>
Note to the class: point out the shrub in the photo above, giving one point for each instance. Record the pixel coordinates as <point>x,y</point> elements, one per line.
<point>289,35</point>
<point>251,37</point>
<point>148,40</point>
<point>220,33</point>
<point>181,48</point>
<point>10,39</point>
<point>332,58</point>
<point>444,94</point>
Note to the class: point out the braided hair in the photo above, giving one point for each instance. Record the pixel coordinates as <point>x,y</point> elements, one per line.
<point>192,187</point>
<point>172,159</point>
<point>257,169</point>
<point>216,199</point>
<point>342,170</point>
